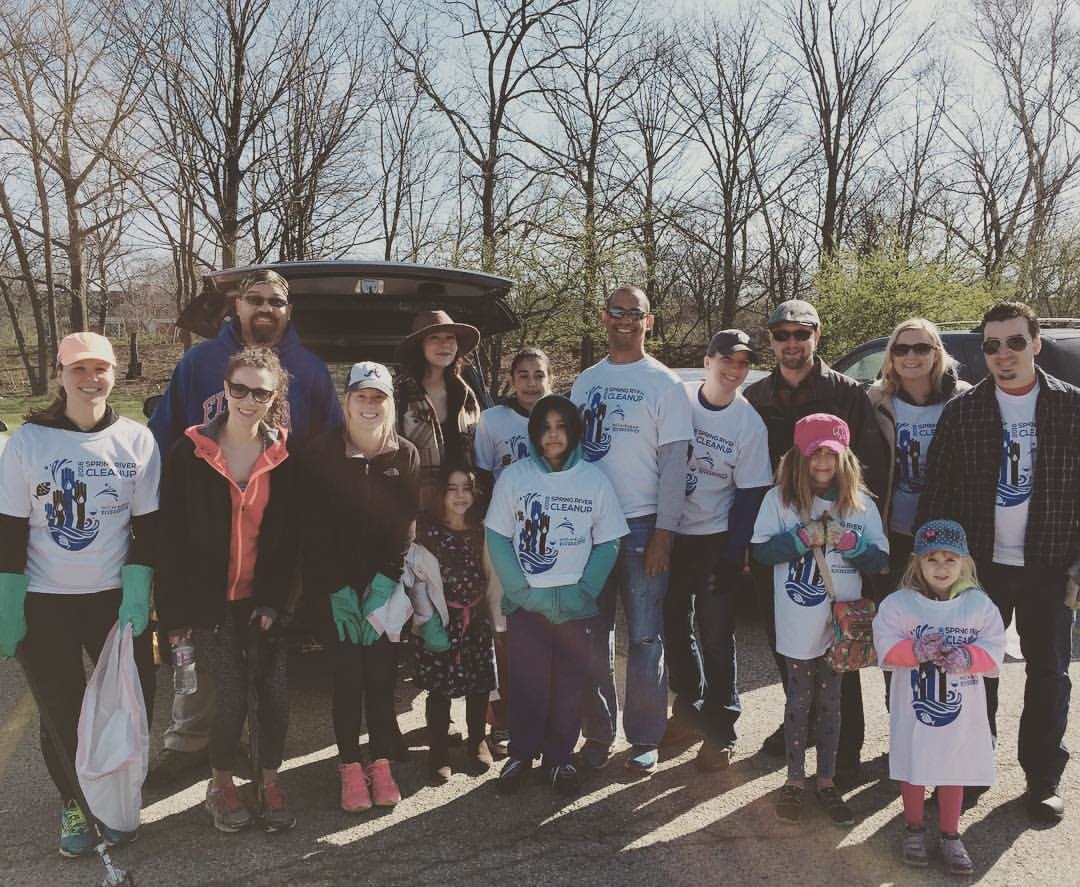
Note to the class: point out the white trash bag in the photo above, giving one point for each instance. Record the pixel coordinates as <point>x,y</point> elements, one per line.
<point>114,739</point>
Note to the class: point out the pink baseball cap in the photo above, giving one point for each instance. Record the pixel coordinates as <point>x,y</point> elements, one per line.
<point>84,346</point>
<point>821,430</point>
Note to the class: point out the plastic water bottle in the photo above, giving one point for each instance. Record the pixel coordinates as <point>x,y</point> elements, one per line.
<point>185,680</point>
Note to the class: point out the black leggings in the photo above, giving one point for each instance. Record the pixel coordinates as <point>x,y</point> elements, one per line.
<point>59,629</point>
<point>437,710</point>
<point>364,677</point>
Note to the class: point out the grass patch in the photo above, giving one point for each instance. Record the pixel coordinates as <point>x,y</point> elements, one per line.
<point>126,403</point>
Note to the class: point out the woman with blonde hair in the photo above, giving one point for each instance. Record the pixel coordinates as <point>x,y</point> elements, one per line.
<point>918,377</point>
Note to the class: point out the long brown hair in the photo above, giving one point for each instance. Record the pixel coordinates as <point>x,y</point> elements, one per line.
<point>265,359</point>
<point>796,491</point>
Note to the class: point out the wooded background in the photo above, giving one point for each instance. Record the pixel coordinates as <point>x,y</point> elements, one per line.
<point>725,158</point>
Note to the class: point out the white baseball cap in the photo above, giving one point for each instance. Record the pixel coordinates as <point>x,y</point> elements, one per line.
<point>368,374</point>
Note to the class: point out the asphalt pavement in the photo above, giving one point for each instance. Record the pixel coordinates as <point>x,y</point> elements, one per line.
<point>678,826</point>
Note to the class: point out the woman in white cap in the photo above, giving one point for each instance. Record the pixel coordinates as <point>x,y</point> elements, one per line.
<point>78,505</point>
<point>436,410</point>
<point>361,497</point>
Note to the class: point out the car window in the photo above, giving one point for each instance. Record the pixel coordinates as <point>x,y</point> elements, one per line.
<point>864,365</point>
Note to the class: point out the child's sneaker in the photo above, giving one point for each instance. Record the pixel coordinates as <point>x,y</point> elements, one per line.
<point>355,794</point>
<point>76,836</point>
<point>114,837</point>
<point>835,808</point>
<point>226,809</point>
<point>384,791</point>
<point>275,813</point>
<point>956,856</point>
<point>789,805</point>
<point>913,847</point>
<point>512,776</point>
<point>564,778</point>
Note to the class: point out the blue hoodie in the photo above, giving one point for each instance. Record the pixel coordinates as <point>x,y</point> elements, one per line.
<point>195,394</point>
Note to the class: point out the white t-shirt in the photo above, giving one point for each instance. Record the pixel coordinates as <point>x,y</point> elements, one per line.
<point>1016,475</point>
<point>555,518</point>
<point>79,492</point>
<point>502,438</point>
<point>730,451</point>
<point>630,410</point>
<point>915,427</point>
<point>938,732</point>
<point>803,626</point>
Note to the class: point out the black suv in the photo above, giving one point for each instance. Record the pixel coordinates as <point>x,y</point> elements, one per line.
<point>349,310</point>
<point>1060,354</point>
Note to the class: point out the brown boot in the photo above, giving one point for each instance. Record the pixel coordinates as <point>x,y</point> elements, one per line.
<point>478,759</point>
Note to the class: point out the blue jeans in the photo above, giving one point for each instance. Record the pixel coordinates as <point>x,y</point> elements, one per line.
<point>1044,624</point>
<point>645,711</point>
<point>701,659</point>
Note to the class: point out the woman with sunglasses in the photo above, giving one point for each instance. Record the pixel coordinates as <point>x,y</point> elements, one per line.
<point>229,505</point>
<point>918,377</point>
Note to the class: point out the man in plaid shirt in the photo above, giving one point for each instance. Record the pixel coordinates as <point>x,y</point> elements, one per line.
<point>1021,512</point>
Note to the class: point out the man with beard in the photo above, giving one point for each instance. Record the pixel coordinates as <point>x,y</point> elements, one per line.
<point>194,396</point>
<point>802,384</point>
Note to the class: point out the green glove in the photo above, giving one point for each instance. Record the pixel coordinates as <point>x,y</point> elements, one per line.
<point>135,580</point>
<point>12,611</point>
<point>345,610</point>
<point>376,595</point>
<point>434,635</point>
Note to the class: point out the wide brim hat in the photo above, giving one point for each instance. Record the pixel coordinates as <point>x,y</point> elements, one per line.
<point>427,322</point>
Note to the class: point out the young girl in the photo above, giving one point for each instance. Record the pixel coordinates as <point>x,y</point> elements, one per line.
<point>360,497</point>
<point>938,634</point>
<point>553,529</point>
<point>228,505</point>
<point>78,507</point>
<point>454,536</point>
<point>819,501</point>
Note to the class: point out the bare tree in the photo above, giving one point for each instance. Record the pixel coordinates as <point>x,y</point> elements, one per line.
<point>848,54</point>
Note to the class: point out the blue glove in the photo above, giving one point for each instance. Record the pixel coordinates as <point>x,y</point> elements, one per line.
<point>12,611</point>
<point>375,595</point>
<point>135,581</point>
<point>345,610</point>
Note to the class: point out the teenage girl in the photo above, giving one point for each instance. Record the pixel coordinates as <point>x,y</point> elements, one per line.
<point>553,527</point>
<point>228,506</point>
<point>819,502</point>
<point>938,634</point>
<point>455,537</point>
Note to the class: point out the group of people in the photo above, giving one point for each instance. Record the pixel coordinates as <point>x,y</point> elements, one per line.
<point>497,542</point>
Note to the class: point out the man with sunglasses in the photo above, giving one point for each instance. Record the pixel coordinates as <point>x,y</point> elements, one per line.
<point>195,395</point>
<point>802,384</point>
<point>638,431</point>
<point>1021,512</point>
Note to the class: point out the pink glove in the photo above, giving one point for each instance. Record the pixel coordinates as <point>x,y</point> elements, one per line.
<point>840,538</point>
<point>929,647</point>
<point>954,659</point>
<point>812,534</point>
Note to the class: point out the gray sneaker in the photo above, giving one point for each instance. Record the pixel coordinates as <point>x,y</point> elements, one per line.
<point>957,860</point>
<point>913,847</point>
<point>226,809</point>
<point>275,814</point>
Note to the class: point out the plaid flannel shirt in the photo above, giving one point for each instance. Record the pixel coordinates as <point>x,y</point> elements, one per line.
<point>965,459</point>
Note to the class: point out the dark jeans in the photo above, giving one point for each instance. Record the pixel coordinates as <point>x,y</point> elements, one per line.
<point>59,629</point>
<point>702,666</point>
<point>364,677</point>
<point>1044,624</point>
<point>547,693</point>
<point>852,726</point>
<point>230,655</point>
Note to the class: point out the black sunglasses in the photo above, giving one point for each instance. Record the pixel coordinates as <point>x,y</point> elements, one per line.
<point>1014,343</point>
<point>261,395</point>
<point>272,301</point>
<point>784,335</point>
<point>920,348</point>
<point>619,313</point>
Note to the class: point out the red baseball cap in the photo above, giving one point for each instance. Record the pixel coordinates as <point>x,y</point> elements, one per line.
<point>84,346</point>
<point>822,430</point>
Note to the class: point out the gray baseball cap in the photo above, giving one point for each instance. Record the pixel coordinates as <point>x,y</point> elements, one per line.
<point>795,311</point>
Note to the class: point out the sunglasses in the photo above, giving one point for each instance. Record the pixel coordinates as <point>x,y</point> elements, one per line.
<point>619,313</point>
<point>261,395</point>
<point>272,301</point>
<point>920,348</point>
<point>1014,343</point>
<point>784,335</point>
